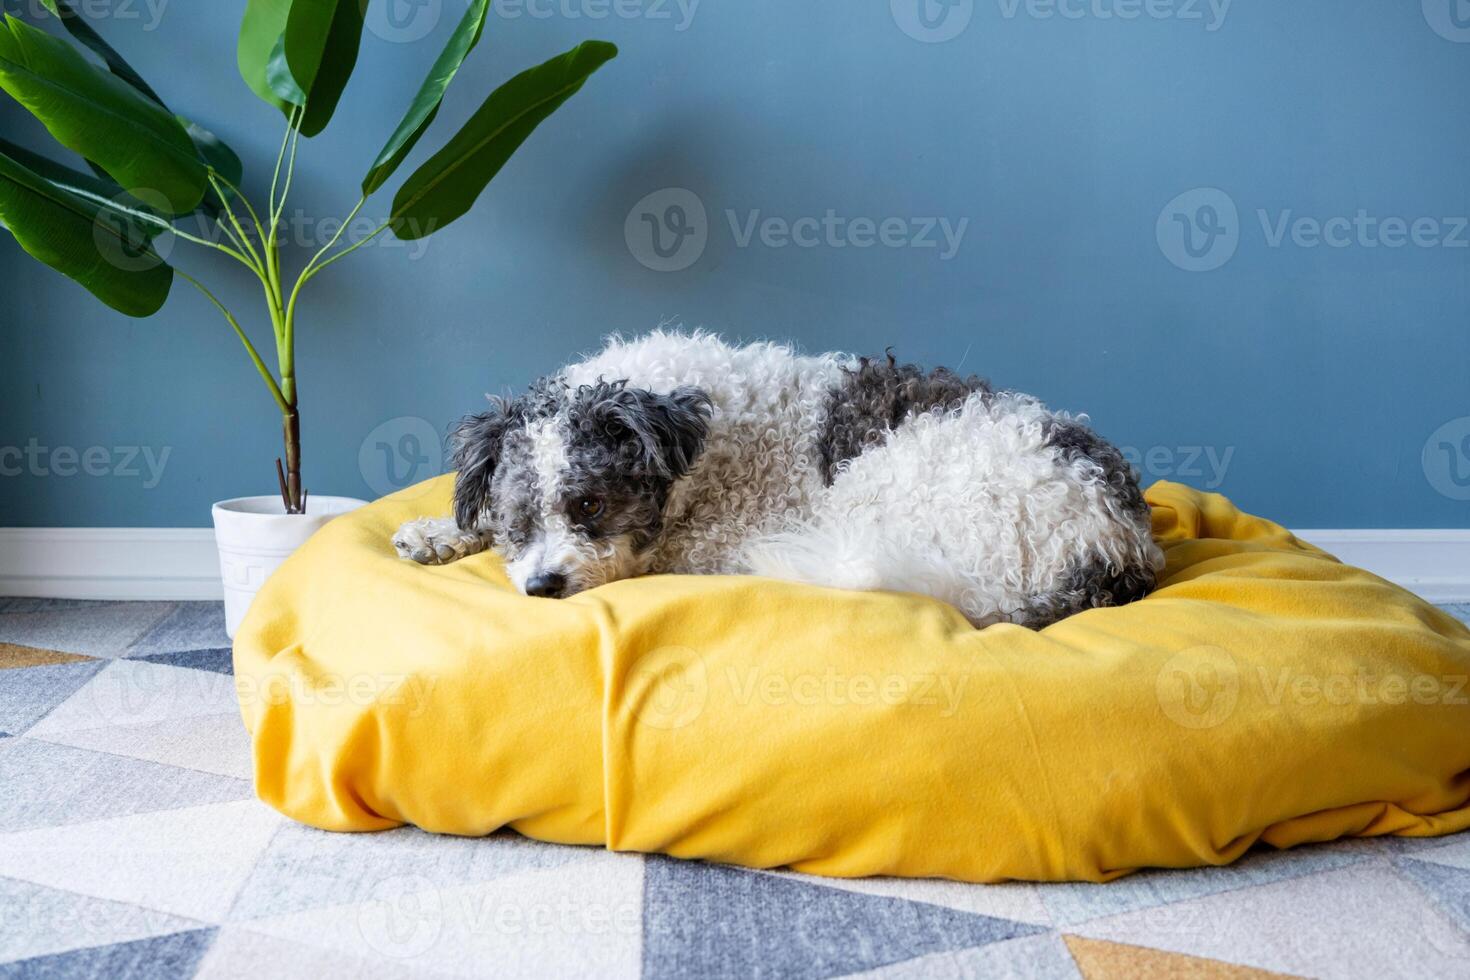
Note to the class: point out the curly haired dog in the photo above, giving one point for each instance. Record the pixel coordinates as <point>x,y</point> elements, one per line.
<point>681,453</point>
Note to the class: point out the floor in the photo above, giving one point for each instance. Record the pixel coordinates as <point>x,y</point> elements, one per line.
<point>131,845</point>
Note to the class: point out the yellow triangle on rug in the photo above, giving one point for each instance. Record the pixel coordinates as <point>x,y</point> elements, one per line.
<point>1099,959</point>
<point>14,655</point>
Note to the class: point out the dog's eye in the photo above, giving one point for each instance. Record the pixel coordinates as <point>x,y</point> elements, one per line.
<point>588,507</point>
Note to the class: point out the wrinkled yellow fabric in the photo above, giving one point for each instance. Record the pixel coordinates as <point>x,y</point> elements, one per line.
<point>1265,692</point>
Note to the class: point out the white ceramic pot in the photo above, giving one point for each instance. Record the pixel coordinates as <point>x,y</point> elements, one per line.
<point>255,535</point>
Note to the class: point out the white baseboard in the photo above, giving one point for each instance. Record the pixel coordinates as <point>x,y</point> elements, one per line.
<point>109,563</point>
<point>1432,563</point>
<point>181,563</point>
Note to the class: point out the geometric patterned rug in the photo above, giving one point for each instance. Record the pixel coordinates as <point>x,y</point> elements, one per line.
<point>131,845</point>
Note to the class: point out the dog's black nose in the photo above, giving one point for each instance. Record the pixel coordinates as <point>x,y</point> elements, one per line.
<point>546,585</point>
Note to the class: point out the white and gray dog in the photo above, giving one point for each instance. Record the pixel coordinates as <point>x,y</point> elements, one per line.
<point>681,453</point>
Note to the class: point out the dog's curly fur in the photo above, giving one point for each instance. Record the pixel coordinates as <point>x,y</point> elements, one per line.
<point>682,453</point>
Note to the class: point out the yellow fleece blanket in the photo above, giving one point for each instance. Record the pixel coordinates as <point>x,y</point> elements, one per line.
<point>1265,693</point>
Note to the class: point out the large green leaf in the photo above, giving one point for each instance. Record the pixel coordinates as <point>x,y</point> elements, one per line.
<point>77,25</point>
<point>301,52</point>
<point>282,82</point>
<point>140,144</point>
<point>212,150</point>
<point>221,159</point>
<point>450,182</point>
<point>263,25</point>
<point>101,192</point>
<point>75,237</point>
<point>321,44</point>
<point>430,96</point>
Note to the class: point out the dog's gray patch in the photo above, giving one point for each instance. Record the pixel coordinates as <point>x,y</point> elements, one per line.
<point>495,486</point>
<point>1074,440</point>
<point>876,397</point>
<point>625,447</point>
<point>1096,584</point>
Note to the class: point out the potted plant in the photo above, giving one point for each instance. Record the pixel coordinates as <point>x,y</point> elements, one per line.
<point>153,169</point>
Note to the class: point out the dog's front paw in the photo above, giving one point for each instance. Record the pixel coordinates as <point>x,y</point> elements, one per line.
<point>436,541</point>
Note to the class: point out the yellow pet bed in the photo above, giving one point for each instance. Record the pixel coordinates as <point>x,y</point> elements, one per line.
<point>1265,693</point>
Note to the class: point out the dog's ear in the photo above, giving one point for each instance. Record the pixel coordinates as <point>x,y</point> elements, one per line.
<point>669,430</point>
<point>474,447</point>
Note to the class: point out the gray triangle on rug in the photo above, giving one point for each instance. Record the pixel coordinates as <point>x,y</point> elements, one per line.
<point>717,921</point>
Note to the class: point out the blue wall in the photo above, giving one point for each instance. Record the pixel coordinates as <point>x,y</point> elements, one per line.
<point>1322,384</point>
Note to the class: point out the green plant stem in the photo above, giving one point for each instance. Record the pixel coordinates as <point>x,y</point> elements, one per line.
<point>271,246</point>
<point>335,238</point>
<point>352,248</point>
<point>280,156</point>
<point>163,225</point>
<point>238,256</point>
<point>290,175</point>
<point>249,208</point>
<point>310,270</point>
<point>244,239</point>
<point>265,373</point>
<point>292,492</point>
<point>234,239</point>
